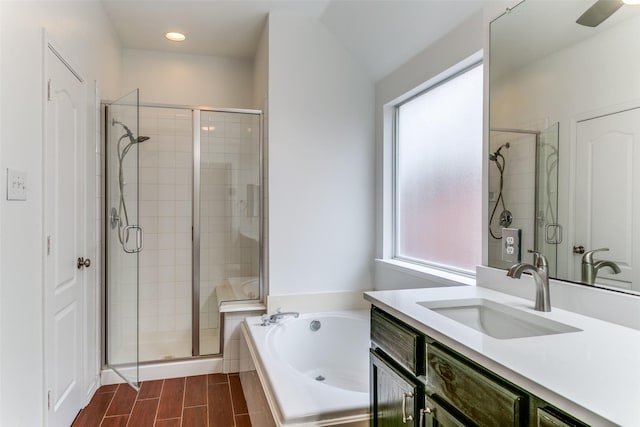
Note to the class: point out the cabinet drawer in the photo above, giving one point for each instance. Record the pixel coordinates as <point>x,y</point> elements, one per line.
<point>398,341</point>
<point>547,419</point>
<point>483,400</point>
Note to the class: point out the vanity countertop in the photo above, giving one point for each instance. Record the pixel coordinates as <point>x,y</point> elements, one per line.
<point>593,374</point>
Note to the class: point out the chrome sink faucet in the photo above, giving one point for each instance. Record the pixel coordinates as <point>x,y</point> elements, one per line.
<point>270,319</point>
<point>590,267</point>
<point>540,275</point>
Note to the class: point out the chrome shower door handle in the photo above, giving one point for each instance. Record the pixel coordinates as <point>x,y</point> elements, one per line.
<point>139,238</point>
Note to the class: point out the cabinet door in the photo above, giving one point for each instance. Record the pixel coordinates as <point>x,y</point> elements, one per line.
<point>435,415</point>
<point>394,396</point>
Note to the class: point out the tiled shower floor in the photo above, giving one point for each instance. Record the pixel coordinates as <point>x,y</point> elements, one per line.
<point>213,400</point>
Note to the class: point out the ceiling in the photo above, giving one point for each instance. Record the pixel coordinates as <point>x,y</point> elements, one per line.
<point>380,34</point>
<point>517,39</point>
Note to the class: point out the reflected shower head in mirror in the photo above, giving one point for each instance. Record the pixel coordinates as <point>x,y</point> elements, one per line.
<point>494,156</point>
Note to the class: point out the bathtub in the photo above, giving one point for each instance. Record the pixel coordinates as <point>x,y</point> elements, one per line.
<point>313,370</point>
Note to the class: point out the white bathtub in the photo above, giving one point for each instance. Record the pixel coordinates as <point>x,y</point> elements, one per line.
<point>310,378</point>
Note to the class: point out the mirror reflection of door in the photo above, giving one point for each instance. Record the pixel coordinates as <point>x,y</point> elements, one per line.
<point>606,198</point>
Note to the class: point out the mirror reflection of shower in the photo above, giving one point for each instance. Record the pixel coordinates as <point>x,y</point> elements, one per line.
<point>506,216</point>
<point>523,168</point>
<point>120,217</point>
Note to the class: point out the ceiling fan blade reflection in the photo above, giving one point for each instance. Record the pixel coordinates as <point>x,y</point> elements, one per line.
<point>600,11</point>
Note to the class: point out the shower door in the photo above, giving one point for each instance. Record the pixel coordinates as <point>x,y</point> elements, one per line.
<point>548,231</point>
<point>123,236</point>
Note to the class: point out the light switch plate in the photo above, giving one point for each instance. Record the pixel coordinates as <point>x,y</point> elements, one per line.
<point>511,245</point>
<point>16,185</point>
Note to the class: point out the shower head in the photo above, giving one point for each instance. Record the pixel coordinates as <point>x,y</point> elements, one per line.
<point>129,133</point>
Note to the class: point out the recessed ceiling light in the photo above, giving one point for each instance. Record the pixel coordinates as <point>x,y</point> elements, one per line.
<point>631,2</point>
<point>175,37</point>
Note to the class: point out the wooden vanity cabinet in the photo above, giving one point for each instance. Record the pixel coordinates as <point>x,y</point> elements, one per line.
<point>419,382</point>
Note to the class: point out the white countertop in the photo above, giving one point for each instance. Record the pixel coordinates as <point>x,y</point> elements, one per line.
<point>593,374</point>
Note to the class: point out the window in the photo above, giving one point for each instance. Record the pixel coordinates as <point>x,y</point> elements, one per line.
<point>438,174</point>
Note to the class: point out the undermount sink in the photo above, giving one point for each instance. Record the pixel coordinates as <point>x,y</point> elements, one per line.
<point>496,320</point>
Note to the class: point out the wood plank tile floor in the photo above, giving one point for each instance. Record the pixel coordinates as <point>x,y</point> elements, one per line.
<point>214,400</point>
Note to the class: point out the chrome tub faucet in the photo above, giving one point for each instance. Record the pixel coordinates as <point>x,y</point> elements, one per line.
<point>270,319</point>
<point>540,275</point>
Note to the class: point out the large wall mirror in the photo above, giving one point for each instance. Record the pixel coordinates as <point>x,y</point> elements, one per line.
<point>564,162</point>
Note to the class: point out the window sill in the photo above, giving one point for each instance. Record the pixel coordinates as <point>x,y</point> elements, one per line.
<point>446,278</point>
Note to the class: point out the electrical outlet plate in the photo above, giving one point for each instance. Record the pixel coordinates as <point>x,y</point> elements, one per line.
<point>16,185</point>
<point>511,245</point>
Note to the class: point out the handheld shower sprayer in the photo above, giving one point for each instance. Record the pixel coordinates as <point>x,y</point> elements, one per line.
<point>120,217</point>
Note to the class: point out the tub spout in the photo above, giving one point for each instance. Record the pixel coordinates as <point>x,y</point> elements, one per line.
<point>275,317</point>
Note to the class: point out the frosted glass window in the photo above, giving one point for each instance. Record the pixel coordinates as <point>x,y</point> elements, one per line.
<point>439,174</point>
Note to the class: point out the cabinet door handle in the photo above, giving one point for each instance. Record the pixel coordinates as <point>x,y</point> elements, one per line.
<point>406,418</point>
<point>426,410</point>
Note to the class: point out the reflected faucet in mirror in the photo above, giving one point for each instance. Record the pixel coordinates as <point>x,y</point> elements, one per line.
<point>590,267</point>
<point>540,275</point>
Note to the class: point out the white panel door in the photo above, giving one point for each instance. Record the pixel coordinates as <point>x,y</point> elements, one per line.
<point>64,233</point>
<point>608,194</point>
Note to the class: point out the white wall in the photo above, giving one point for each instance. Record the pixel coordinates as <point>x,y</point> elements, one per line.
<point>458,45</point>
<point>321,162</point>
<point>193,80</point>
<point>84,35</point>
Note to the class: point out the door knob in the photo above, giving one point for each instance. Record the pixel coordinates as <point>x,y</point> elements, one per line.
<point>83,263</point>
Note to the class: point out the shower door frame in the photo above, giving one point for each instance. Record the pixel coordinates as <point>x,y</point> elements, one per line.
<point>195,280</point>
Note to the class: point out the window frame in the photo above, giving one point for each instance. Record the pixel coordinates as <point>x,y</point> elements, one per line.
<point>422,265</point>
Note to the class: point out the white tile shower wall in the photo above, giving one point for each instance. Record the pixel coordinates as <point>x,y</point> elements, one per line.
<point>232,337</point>
<point>165,179</point>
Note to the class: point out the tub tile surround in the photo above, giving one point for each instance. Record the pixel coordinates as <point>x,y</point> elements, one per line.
<point>317,302</point>
<point>591,374</point>
<point>232,335</point>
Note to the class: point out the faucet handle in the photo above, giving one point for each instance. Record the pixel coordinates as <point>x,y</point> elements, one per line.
<point>265,320</point>
<point>587,258</point>
<point>540,260</point>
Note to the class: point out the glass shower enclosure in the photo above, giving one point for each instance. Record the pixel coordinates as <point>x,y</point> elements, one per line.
<point>192,182</point>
